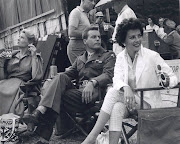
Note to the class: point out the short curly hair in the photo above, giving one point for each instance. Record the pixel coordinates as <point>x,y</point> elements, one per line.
<point>124,27</point>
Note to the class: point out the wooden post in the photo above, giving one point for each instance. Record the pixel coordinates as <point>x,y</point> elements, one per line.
<point>178,102</point>
<point>142,99</point>
<point>179,11</point>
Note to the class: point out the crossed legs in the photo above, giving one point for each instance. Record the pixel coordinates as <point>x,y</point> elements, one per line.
<point>114,109</point>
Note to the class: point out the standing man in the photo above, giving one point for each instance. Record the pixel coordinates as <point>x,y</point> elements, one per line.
<point>93,71</point>
<point>78,21</point>
<point>106,30</point>
<point>124,12</point>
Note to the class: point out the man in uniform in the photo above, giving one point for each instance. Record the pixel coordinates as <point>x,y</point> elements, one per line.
<point>93,71</point>
<point>106,30</point>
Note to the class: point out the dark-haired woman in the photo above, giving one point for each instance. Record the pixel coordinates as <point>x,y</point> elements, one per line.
<point>24,65</point>
<point>135,67</point>
<point>152,24</point>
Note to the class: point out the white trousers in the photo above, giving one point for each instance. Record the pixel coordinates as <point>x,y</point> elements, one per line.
<point>115,107</point>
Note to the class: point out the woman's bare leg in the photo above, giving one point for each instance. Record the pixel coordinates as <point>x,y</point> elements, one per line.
<point>100,123</point>
<point>114,137</point>
<point>111,98</point>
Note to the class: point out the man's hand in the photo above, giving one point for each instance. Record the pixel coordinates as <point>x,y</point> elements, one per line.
<point>88,93</point>
<point>129,97</point>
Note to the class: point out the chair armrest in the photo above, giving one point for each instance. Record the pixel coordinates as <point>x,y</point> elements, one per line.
<point>141,90</point>
<point>26,87</point>
<point>155,88</point>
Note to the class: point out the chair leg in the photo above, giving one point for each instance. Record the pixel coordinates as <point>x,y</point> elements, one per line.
<point>132,131</point>
<point>77,125</point>
<point>125,136</point>
<point>68,133</point>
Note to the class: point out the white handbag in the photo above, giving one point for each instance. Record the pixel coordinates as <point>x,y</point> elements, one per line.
<point>9,124</point>
<point>103,138</point>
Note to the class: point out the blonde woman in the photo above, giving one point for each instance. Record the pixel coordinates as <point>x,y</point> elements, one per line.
<point>24,65</point>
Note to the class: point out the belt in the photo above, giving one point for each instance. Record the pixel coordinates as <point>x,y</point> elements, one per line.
<point>75,38</point>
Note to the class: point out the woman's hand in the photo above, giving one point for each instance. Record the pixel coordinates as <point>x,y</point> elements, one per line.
<point>129,97</point>
<point>32,49</point>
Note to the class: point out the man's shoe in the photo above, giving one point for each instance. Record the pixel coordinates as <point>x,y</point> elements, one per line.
<point>35,117</point>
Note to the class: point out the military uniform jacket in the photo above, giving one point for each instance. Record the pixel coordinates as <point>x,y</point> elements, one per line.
<point>99,67</point>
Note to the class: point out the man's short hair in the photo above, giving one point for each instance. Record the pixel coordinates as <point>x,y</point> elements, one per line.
<point>90,28</point>
<point>161,19</point>
<point>169,23</point>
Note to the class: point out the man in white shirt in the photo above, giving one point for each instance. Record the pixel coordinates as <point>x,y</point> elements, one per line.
<point>78,22</point>
<point>124,12</point>
<point>160,32</point>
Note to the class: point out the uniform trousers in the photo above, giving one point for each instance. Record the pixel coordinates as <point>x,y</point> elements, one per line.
<point>60,95</point>
<point>61,91</point>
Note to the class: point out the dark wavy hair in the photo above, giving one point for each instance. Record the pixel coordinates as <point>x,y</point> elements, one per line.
<point>124,27</point>
<point>152,18</point>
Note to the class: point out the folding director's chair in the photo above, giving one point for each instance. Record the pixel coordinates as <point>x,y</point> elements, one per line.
<point>48,50</point>
<point>134,128</point>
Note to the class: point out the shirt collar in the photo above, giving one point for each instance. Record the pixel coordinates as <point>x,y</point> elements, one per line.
<point>127,57</point>
<point>137,53</point>
<point>89,53</point>
<point>18,53</point>
<point>98,53</point>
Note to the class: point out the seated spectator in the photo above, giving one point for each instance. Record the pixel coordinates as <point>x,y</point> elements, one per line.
<point>172,38</point>
<point>24,65</point>
<point>132,69</point>
<point>160,31</point>
<point>106,30</point>
<point>93,71</point>
<point>151,24</point>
